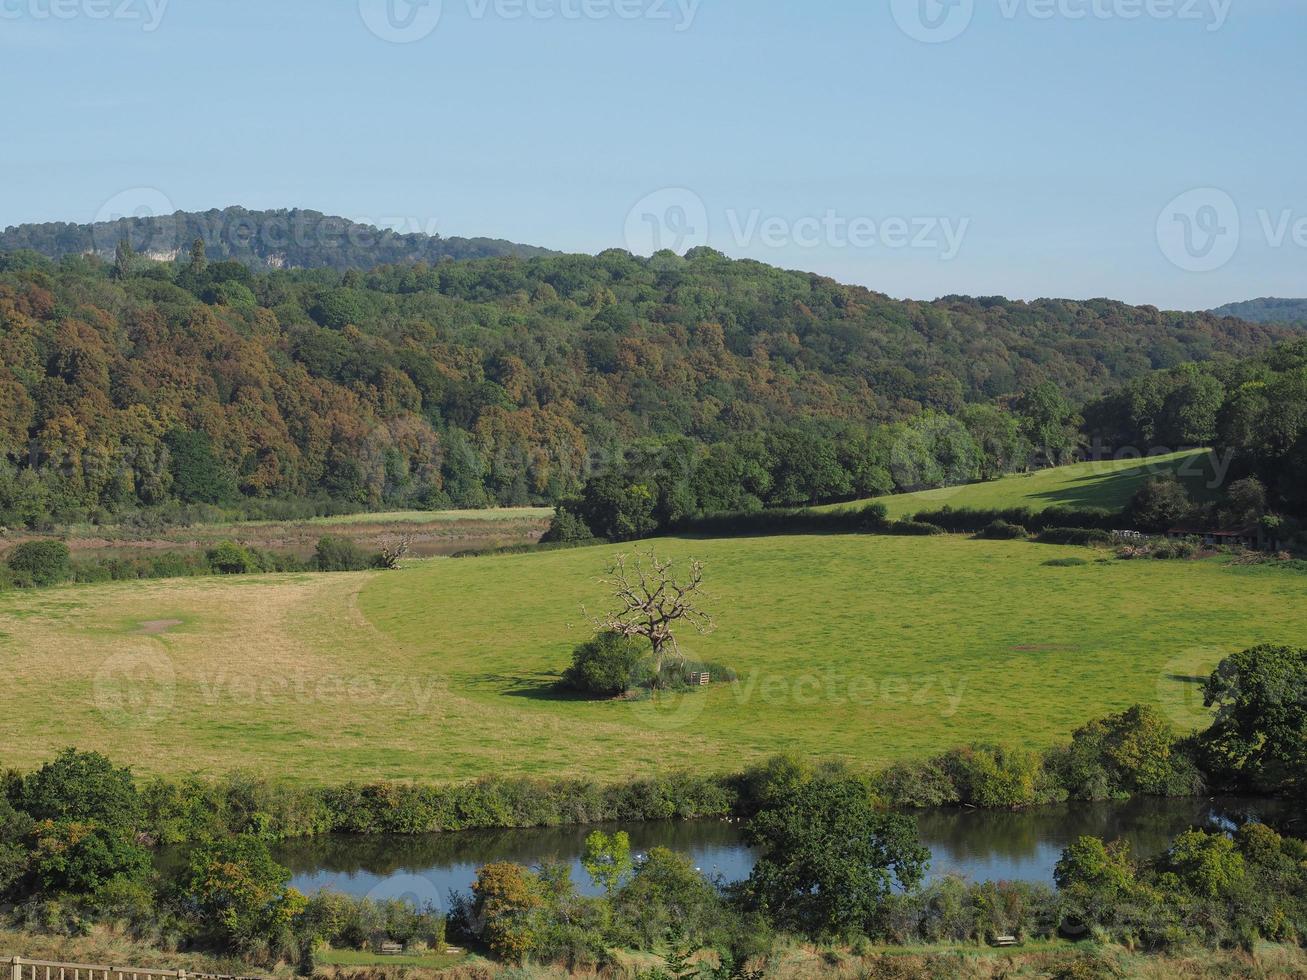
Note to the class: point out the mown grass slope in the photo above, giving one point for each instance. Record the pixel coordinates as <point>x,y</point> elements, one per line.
<point>865,648</point>
<point>1104,483</point>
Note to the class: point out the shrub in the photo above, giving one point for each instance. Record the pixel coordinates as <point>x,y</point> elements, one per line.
<point>357,923</point>
<point>677,674</point>
<point>609,665</point>
<point>918,784</point>
<point>40,563</point>
<point>337,554</point>
<point>973,521</point>
<point>993,776</point>
<point>566,528</point>
<point>238,893</point>
<point>166,564</point>
<point>1136,751</point>
<point>1074,535</point>
<point>863,520</point>
<point>230,558</point>
<point>1065,563</point>
<point>916,528</point>
<point>1162,550</point>
<point>82,858</point>
<point>1001,530</point>
<point>1165,550</point>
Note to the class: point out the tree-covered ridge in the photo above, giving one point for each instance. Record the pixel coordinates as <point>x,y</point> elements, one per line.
<point>1268,310</point>
<point>292,239</point>
<point>1252,409</point>
<point>510,380</point>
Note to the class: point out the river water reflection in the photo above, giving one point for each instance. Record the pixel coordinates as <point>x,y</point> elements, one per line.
<point>977,844</point>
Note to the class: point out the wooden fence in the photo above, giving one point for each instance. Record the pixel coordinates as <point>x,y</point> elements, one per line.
<point>21,969</point>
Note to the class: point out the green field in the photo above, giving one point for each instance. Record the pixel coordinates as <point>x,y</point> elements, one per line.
<point>862,647</point>
<point>1105,483</point>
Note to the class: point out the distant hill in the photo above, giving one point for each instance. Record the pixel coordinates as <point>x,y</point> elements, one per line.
<point>513,380</point>
<point>1268,310</point>
<point>281,239</point>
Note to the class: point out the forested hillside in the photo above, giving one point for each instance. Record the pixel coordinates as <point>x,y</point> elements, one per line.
<point>144,384</point>
<point>1268,310</point>
<point>293,239</point>
<point>1253,409</point>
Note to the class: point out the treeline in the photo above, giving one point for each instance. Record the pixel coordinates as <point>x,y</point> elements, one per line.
<point>138,385</point>
<point>1253,409</point>
<point>756,481</point>
<point>1268,310</point>
<point>291,239</point>
<point>46,563</point>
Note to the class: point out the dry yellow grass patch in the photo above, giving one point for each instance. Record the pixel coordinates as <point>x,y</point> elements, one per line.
<point>278,675</point>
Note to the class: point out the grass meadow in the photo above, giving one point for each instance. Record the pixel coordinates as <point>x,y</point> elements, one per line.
<point>865,648</point>
<point>1101,483</point>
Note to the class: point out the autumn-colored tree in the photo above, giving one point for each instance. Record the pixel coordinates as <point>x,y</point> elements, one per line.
<point>505,900</point>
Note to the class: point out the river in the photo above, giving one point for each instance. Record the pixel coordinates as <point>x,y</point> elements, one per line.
<point>977,844</point>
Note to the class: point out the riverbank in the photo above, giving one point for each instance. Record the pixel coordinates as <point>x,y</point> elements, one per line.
<point>798,962</point>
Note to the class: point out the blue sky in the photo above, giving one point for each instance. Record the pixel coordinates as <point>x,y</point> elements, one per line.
<point>1148,150</point>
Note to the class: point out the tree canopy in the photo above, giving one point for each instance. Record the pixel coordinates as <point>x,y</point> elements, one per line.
<point>513,380</point>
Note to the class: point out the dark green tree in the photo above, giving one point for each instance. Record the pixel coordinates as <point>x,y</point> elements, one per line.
<point>1049,422</point>
<point>199,262</point>
<point>1161,505</point>
<point>81,858</point>
<point>614,509</point>
<point>124,259</point>
<point>238,894</point>
<point>198,475</point>
<point>40,563</point>
<point>81,786</point>
<point>1258,739</point>
<point>828,857</point>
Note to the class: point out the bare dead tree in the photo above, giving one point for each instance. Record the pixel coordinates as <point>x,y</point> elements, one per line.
<point>395,550</point>
<point>653,602</point>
